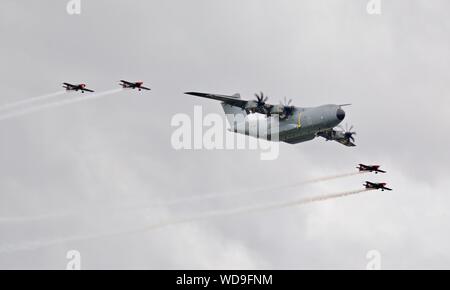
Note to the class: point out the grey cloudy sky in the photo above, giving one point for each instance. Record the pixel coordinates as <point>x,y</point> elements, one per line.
<point>90,160</point>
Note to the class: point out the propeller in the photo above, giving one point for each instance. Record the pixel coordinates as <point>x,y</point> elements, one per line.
<point>261,99</point>
<point>258,105</point>
<point>284,109</point>
<point>348,133</point>
<point>288,110</point>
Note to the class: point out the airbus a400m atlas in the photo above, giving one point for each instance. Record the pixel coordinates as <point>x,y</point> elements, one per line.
<point>296,124</point>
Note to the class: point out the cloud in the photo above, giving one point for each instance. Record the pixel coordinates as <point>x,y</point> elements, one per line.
<point>116,150</point>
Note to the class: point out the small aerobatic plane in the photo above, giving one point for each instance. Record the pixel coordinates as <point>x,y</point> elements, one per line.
<point>79,87</point>
<point>296,124</point>
<point>133,85</point>
<point>372,185</point>
<point>370,168</point>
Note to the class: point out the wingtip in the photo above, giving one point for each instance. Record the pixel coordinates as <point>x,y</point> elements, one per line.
<point>194,94</point>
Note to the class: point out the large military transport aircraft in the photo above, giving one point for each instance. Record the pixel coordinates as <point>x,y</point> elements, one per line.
<point>296,124</point>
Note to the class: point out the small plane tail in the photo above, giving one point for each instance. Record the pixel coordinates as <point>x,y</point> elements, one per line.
<point>234,114</point>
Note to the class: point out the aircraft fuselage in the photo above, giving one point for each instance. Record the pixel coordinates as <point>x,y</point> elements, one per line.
<point>302,125</point>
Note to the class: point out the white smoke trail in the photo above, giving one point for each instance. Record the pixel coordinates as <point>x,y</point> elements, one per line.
<point>59,104</point>
<point>74,213</point>
<point>256,191</point>
<point>37,244</point>
<point>257,208</point>
<point>30,101</point>
<point>22,219</point>
<point>336,176</point>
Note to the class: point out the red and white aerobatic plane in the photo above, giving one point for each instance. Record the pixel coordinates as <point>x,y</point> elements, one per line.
<point>373,185</point>
<point>76,88</point>
<point>133,85</point>
<point>370,168</point>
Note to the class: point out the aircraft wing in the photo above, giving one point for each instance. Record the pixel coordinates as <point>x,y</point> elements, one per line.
<point>87,90</point>
<point>68,85</point>
<point>234,100</point>
<point>125,82</point>
<point>145,88</point>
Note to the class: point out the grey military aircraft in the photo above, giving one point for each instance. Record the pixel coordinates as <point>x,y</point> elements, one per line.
<point>296,124</point>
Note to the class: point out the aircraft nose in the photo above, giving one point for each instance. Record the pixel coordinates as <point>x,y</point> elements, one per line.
<point>340,114</point>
